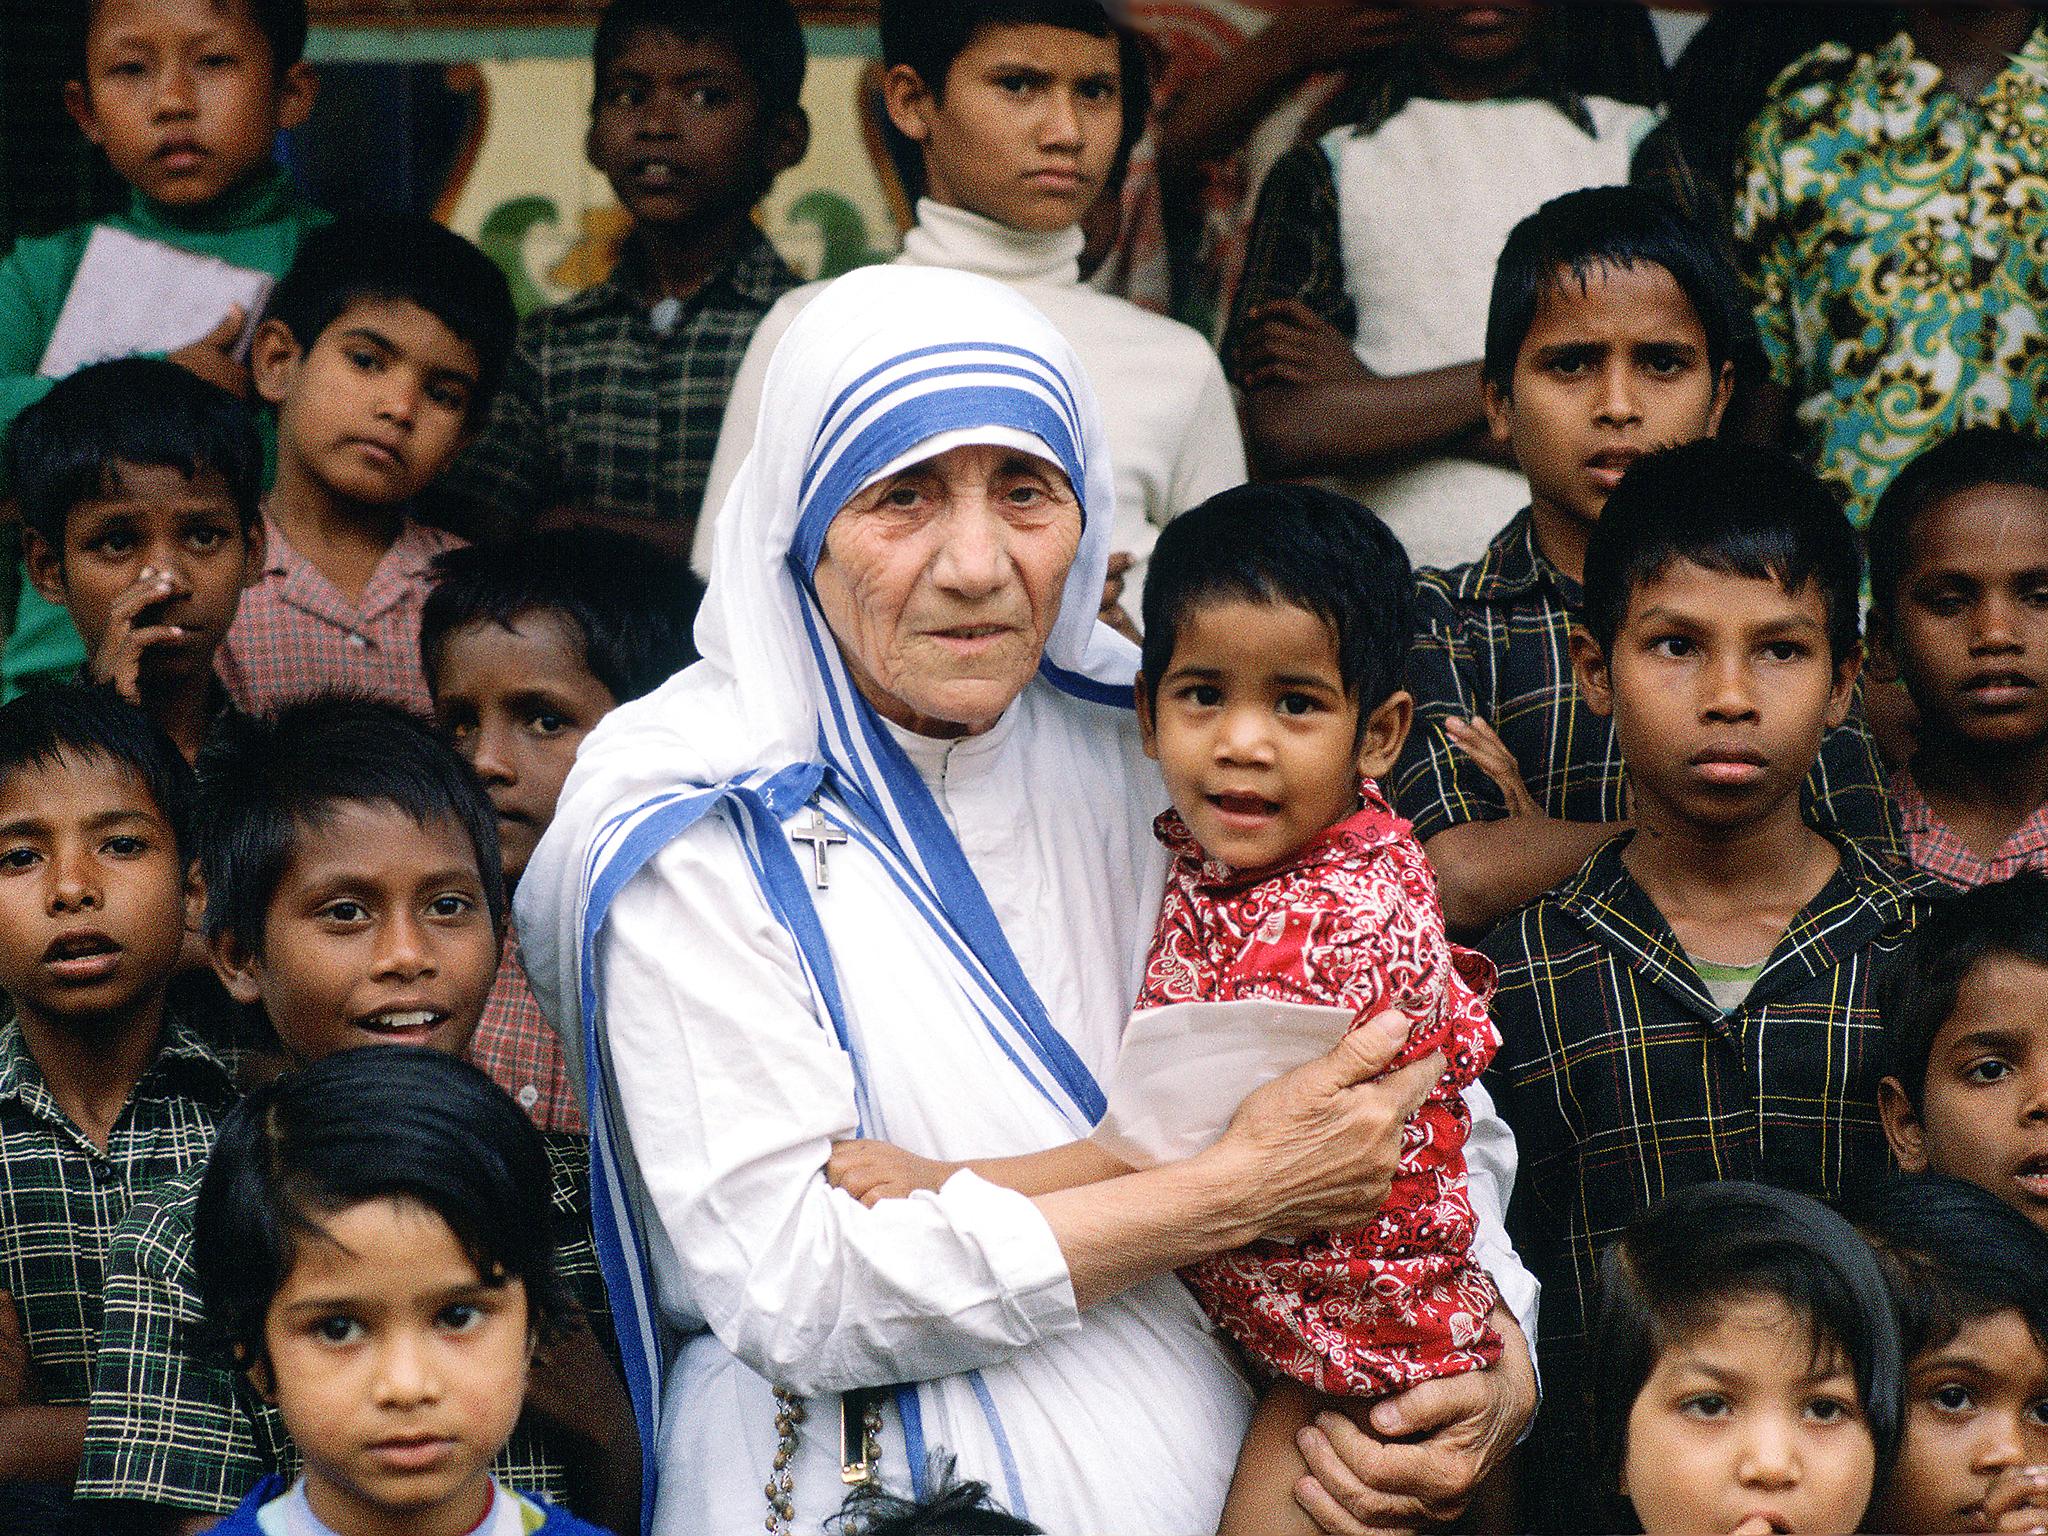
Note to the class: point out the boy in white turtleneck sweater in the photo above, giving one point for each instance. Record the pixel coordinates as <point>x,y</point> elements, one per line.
<point>1032,104</point>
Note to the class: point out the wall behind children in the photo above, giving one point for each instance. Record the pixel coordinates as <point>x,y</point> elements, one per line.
<point>475,111</point>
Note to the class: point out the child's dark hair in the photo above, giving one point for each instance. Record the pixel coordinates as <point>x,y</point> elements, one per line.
<point>381,1122</point>
<point>282,23</point>
<point>928,35</point>
<point>400,257</point>
<point>1918,991</point>
<point>949,1508</point>
<point>70,445</point>
<point>1954,1253</point>
<point>764,35</point>
<point>1734,509</point>
<point>1292,544</point>
<point>632,607</point>
<point>83,720</point>
<point>263,783</point>
<point>1570,238</point>
<point>1977,457</point>
<point>1671,1271</point>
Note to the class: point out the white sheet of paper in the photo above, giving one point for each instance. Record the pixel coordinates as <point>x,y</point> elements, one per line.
<point>135,295</point>
<point>1184,1069</point>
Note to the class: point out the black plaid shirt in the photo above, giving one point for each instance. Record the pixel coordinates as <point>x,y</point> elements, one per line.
<point>170,1426</point>
<point>1492,642</point>
<point>61,1197</point>
<point>602,412</point>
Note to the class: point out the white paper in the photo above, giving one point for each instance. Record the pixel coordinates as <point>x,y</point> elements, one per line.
<point>134,295</point>
<point>1185,1068</point>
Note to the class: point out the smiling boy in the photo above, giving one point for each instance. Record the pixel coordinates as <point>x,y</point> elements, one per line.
<point>1698,1001</point>
<point>1018,109</point>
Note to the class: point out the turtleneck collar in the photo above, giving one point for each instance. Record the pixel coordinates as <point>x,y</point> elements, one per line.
<point>265,195</point>
<point>945,236</point>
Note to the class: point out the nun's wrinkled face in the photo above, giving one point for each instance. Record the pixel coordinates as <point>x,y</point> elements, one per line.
<point>941,583</point>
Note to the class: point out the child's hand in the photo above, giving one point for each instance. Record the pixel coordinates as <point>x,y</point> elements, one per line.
<point>118,662</point>
<point>18,1386</point>
<point>875,1170</point>
<point>1287,344</point>
<point>2018,1500</point>
<point>212,356</point>
<point>1112,612</point>
<point>1490,755</point>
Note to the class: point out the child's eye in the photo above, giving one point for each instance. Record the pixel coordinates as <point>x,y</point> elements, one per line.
<point>1672,647</point>
<point>125,846</point>
<point>113,543</point>
<point>1785,650</point>
<point>1664,364</point>
<point>1098,90</point>
<point>346,910</point>
<point>205,540</point>
<point>1989,1070</point>
<point>1202,695</point>
<point>450,397</point>
<point>459,1316</point>
<point>547,723</point>
<point>19,858</point>
<point>365,359</point>
<point>1952,1397</point>
<point>217,61</point>
<point>2037,1413</point>
<point>1705,1405</point>
<point>1297,704</point>
<point>624,96</point>
<point>337,1329</point>
<point>128,69</point>
<point>1830,1410</point>
<point>451,905</point>
<point>1016,84</point>
<point>709,98</point>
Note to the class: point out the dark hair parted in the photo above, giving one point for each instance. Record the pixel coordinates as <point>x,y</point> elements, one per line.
<point>764,36</point>
<point>263,783</point>
<point>69,446</point>
<point>632,607</point>
<point>1918,991</point>
<point>1978,457</point>
<point>381,1122</point>
<point>1730,508</point>
<point>1954,1253</point>
<point>1671,1271</point>
<point>1570,238</point>
<point>282,23</point>
<point>83,720</point>
<point>1292,544</point>
<point>400,257</point>
<point>951,1508</point>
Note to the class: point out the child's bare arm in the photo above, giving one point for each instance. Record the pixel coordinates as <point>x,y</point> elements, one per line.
<point>1486,869</point>
<point>38,1443</point>
<point>876,1170</point>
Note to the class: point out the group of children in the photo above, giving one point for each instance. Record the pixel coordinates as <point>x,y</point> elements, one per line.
<point>1721,973</point>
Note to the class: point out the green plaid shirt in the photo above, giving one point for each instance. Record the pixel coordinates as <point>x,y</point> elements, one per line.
<point>61,1197</point>
<point>171,1426</point>
<point>1492,641</point>
<point>602,412</point>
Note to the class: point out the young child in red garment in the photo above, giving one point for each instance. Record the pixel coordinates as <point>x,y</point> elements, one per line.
<point>1277,624</point>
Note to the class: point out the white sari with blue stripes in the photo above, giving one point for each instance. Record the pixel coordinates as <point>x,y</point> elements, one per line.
<point>959,989</point>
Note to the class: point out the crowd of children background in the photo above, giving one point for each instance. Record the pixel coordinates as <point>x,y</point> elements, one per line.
<point>584,901</point>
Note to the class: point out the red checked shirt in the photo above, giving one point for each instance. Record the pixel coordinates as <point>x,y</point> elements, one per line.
<point>1937,850</point>
<point>295,634</point>
<point>517,1048</point>
<point>1353,922</point>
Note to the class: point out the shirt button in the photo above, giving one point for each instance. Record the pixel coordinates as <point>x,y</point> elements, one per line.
<point>529,1096</point>
<point>357,642</point>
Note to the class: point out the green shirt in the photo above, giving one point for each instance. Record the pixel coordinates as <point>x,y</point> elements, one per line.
<point>259,225</point>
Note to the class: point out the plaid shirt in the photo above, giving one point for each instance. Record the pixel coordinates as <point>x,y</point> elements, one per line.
<point>515,1045</point>
<point>295,635</point>
<point>603,412</point>
<point>61,1197</point>
<point>171,1427</point>
<point>1492,642</point>
<point>1939,852</point>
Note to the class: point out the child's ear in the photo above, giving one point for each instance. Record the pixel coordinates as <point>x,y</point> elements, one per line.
<point>195,898</point>
<point>1499,411</point>
<point>45,564</point>
<point>1724,391</point>
<point>255,552</point>
<point>274,358</point>
<point>257,1369</point>
<point>1843,692</point>
<point>236,968</point>
<point>1880,655</point>
<point>1589,664</point>
<point>1903,1132</point>
<point>1148,730</point>
<point>297,89</point>
<point>908,102</point>
<point>1384,733</point>
<point>78,103</point>
<point>788,139</point>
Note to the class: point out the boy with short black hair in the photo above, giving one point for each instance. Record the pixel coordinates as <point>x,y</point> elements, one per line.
<point>612,404</point>
<point>1019,110</point>
<point>139,487</point>
<point>104,1092</point>
<point>1612,333</point>
<point>1959,614</point>
<point>527,645</point>
<point>1698,1002</point>
<point>186,99</point>
<point>380,350</point>
<point>351,869</point>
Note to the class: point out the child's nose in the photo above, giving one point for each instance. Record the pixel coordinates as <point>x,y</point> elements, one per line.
<point>1770,1455</point>
<point>1619,404</point>
<point>174,90</point>
<point>403,953</point>
<point>2000,1446</point>
<point>405,1375</point>
<point>73,887</point>
<point>1244,737</point>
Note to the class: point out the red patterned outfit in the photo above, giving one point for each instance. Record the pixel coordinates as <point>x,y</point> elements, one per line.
<point>1352,922</point>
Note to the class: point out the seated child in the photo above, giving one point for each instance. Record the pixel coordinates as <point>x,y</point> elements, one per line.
<point>380,351</point>
<point>1276,624</point>
<point>614,397</point>
<point>1698,1002</point>
<point>104,1093</point>
<point>527,645</point>
<point>1959,614</point>
<point>1966,1272</point>
<point>373,1242</point>
<point>1748,1366</point>
<point>352,889</point>
<point>199,167</point>
<point>1965,1010</point>
<point>1611,334</point>
<point>138,486</point>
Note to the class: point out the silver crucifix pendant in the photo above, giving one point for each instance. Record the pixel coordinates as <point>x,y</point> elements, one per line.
<point>821,835</point>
